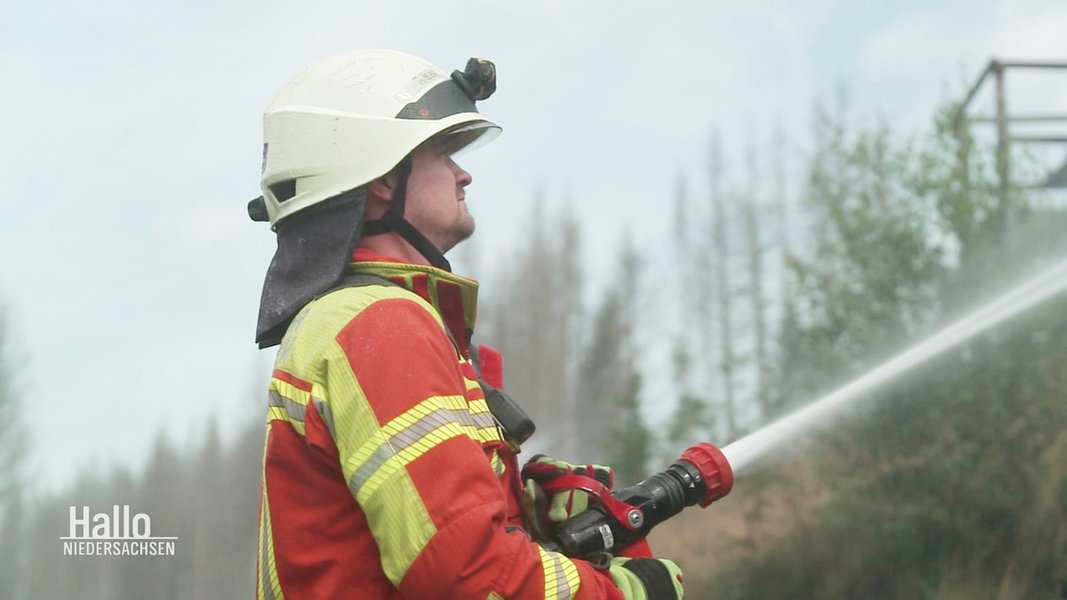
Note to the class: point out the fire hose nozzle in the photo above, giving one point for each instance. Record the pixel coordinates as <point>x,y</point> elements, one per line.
<point>715,470</point>
<point>701,475</point>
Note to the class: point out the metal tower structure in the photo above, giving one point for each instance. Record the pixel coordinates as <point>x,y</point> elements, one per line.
<point>1005,124</point>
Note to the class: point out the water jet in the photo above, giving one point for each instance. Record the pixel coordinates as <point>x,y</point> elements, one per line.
<point>746,451</point>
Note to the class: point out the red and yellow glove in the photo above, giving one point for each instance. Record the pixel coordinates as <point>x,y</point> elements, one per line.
<point>555,492</point>
<point>647,578</point>
<point>557,506</point>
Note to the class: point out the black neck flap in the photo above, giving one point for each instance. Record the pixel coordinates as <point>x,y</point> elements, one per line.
<point>314,248</point>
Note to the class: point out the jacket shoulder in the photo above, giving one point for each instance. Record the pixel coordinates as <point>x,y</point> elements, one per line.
<point>321,320</point>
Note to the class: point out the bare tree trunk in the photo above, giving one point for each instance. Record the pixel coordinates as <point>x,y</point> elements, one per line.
<point>723,288</point>
<point>781,202</point>
<point>568,317</point>
<point>759,305</point>
<point>535,322</point>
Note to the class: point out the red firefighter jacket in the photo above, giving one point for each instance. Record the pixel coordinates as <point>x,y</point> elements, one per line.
<point>385,475</point>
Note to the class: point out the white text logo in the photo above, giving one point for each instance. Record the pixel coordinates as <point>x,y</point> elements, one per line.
<point>118,533</point>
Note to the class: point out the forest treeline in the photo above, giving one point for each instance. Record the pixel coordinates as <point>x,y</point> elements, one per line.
<point>950,483</point>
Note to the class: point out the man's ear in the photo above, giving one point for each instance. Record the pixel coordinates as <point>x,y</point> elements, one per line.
<point>383,187</point>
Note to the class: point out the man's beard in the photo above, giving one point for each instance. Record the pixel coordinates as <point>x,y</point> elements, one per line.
<point>462,229</point>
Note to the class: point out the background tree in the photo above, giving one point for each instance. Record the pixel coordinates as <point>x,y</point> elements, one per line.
<point>723,290</point>
<point>13,451</point>
<point>610,379</point>
<point>535,318</point>
<point>753,213</point>
<point>694,417</point>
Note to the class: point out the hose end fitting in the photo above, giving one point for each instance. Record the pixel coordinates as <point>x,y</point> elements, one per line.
<point>714,468</point>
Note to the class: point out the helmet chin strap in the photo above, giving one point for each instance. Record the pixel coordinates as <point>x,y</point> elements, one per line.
<point>393,220</point>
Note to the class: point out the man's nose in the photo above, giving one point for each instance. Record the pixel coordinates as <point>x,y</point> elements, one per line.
<point>463,178</point>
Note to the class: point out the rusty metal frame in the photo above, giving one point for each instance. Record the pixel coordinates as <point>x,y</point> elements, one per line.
<point>996,70</point>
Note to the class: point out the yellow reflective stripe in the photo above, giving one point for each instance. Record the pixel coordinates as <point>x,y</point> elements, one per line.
<point>471,384</point>
<point>279,409</point>
<point>287,402</point>
<point>292,408</point>
<point>480,408</point>
<point>277,413</point>
<point>498,464</point>
<point>269,586</point>
<point>290,391</point>
<point>409,436</point>
<point>561,576</point>
<point>484,420</point>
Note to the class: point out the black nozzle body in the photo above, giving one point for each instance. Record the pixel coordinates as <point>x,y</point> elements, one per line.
<point>660,497</point>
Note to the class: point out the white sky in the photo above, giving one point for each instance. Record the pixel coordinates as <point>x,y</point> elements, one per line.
<point>131,143</point>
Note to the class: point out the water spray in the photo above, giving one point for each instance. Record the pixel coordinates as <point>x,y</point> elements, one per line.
<point>742,453</point>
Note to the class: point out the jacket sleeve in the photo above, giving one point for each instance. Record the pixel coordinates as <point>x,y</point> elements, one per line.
<point>416,445</point>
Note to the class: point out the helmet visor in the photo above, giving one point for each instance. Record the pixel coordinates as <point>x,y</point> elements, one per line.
<point>466,137</point>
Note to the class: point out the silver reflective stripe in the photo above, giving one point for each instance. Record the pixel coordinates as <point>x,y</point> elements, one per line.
<point>563,591</point>
<point>483,420</point>
<point>405,438</point>
<point>294,410</point>
<point>326,414</point>
<point>438,418</point>
<point>466,417</point>
<point>266,539</point>
<point>369,468</point>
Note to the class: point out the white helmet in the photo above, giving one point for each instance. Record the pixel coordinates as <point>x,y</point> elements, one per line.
<point>351,118</point>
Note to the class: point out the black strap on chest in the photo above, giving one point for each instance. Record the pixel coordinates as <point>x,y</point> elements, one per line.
<point>516,424</point>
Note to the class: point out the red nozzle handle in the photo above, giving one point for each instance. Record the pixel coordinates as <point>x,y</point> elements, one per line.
<point>713,467</point>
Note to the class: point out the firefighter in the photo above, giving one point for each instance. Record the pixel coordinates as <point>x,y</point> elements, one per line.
<point>385,473</point>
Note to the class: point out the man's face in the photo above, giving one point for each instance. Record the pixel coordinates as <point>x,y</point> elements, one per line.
<point>436,200</point>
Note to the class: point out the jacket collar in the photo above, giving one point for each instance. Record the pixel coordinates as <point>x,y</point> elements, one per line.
<point>455,298</point>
